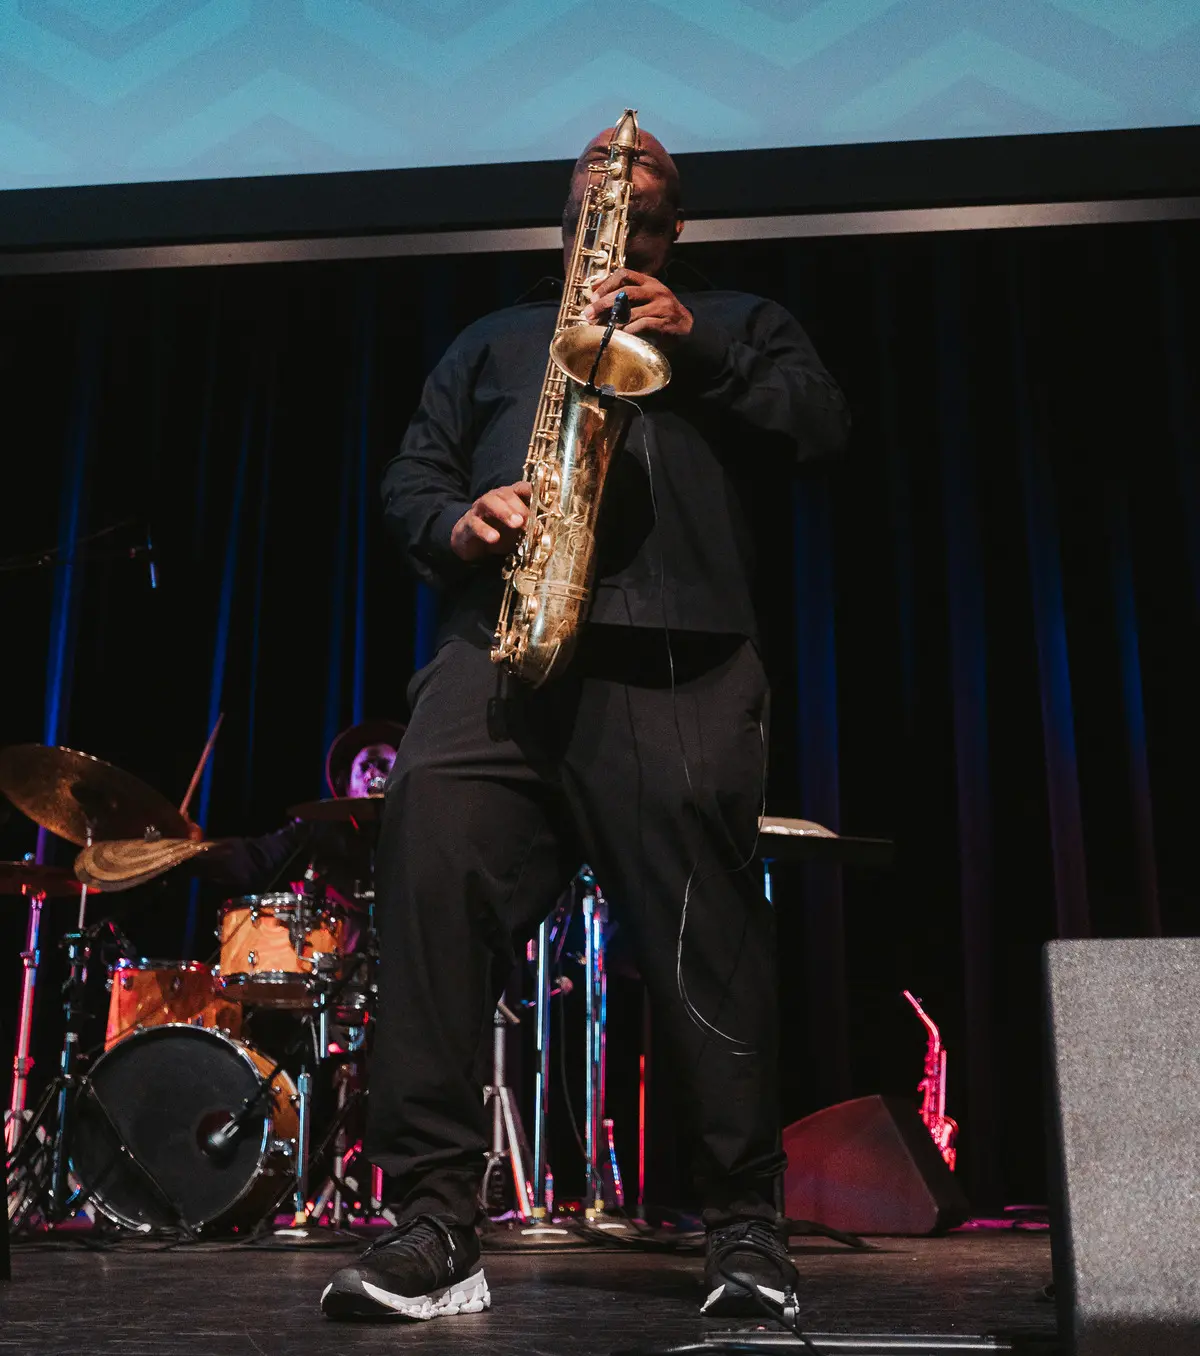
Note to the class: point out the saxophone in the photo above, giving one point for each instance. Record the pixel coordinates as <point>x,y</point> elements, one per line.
<point>932,1088</point>
<point>581,416</point>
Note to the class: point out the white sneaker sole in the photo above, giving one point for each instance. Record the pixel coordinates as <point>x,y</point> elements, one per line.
<point>735,1301</point>
<point>468,1296</point>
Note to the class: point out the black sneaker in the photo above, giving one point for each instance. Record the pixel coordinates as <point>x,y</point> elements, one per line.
<point>747,1267</point>
<point>423,1269</point>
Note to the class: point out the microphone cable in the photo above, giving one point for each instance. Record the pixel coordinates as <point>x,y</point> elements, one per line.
<point>739,1047</point>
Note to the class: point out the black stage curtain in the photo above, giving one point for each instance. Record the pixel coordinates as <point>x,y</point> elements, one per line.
<point>980,625</point>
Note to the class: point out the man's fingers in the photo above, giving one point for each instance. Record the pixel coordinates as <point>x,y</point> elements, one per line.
<point>615,281</point>
<point>484,531</point>
<point>635,292</point>
<point>659,320</point>
<point>504,507</point>
<point>639,293</point>
<point>492,524</point>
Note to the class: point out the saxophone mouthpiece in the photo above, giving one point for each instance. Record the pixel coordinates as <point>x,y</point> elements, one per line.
<point>625,134</point>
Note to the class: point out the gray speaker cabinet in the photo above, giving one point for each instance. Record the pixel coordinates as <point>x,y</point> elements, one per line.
<point>1123,1028</point>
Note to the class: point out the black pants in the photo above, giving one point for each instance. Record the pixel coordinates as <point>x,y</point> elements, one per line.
<point>493,804</point>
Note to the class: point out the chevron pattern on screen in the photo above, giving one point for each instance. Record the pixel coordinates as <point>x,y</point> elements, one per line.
<point>112,91</point>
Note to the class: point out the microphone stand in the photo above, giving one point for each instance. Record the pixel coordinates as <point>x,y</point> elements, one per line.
<point>619,315</point>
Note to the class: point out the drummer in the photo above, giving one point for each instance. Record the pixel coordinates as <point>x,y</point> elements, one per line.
<point>330,858</point>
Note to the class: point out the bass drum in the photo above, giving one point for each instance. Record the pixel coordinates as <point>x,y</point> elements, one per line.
<point>145,1112</point>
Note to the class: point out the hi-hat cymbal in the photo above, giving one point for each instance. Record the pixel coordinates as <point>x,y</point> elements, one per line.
<point>342,810</point>
<point>70,793</point>
<point>29,878</point>
<point>122,864</point>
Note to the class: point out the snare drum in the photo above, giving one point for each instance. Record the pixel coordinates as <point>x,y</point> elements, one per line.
<point>163,993</point>
<point>272,945</point>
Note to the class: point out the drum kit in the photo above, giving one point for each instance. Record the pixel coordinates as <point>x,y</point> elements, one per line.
<point>180,1122</point>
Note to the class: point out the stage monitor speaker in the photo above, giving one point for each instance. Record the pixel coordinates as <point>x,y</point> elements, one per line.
<point>5,1263</point>
<point>1124,1062</point>
<point>869,1167</point>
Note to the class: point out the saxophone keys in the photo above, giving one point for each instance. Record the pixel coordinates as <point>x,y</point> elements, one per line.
<point>548,484</point>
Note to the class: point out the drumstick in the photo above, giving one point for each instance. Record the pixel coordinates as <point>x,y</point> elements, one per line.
<point>208,748</point>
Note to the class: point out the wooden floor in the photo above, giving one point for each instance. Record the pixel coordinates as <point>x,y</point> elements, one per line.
<point>213,1300</point>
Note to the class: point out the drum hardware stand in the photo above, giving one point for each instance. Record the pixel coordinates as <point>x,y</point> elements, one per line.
<point>44,1147</point>
<point>16,1117</point>
<point>336,1189</point>
<point>28,1130</point>
<point>508,1134</point>
<point>78,953</point>
<point>541,1230</point>
<point>598,1135</point>
<point>303,1136</point>
<point>541,1088</point>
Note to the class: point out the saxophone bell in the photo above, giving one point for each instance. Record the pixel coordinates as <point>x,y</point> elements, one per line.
<point>608,363</point>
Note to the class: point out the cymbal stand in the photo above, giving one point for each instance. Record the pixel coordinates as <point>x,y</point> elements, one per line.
<point>509,1145</point>
<point>53,1118</point>
<point>14,1119</point>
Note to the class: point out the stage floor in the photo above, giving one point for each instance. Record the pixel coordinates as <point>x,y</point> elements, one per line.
<point>212,1300</point>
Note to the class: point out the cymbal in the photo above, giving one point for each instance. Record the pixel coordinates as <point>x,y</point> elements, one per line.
<point>68,792</point>
<point>120,864</point>
<point>804,840</point>
<point>30,878</point>
<point>341,810</point>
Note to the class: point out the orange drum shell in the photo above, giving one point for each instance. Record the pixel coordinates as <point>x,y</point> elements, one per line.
<point>256,945</point>
<point>161,993</point>
<point>285,1101</point>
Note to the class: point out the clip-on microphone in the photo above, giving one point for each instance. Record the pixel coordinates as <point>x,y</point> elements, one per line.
<point>619,315</point>
<point>221,1142</point>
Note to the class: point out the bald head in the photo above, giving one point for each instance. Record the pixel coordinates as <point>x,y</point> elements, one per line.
<point>655,218</point>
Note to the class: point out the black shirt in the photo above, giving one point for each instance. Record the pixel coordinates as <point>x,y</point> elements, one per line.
<point>748,398</point>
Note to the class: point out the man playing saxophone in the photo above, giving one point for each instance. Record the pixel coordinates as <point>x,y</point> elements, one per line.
<point>645,757</point>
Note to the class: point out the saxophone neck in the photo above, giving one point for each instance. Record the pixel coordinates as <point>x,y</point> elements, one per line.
<point>625,134</point>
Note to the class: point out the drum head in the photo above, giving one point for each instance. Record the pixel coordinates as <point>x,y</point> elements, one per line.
<point>159,1094</point>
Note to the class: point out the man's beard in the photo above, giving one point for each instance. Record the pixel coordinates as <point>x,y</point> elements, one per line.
<point>651,217</point>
